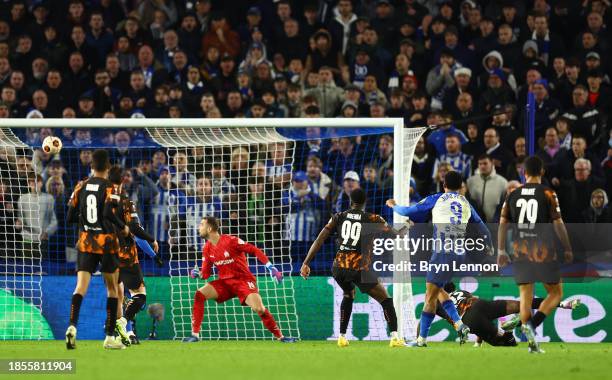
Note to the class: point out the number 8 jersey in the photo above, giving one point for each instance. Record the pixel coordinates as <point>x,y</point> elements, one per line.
<point>531,209</point>
<point>353,253</point>
<point>86,205</point>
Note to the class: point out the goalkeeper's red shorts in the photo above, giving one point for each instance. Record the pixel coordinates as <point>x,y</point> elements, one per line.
<point>230,288</point>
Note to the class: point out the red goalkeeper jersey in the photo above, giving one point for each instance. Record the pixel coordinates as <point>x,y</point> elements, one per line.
<point>228,255</point>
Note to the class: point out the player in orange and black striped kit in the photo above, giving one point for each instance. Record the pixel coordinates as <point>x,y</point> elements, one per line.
<point>480,315</point>
<point>352,264</point>
<point>533,211</point>
<point>90,207</point>
<point>130,274</point>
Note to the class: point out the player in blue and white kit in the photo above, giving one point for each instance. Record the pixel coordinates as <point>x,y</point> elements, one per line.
<point>450,213</point>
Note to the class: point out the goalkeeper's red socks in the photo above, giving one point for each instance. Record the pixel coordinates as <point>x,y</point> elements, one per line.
<point>197,314</point>
<point>270,323</point>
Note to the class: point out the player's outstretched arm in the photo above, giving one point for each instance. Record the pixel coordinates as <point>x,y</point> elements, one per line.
<point>314,249</point>
<point>417,212</point>
<point>261,256</point>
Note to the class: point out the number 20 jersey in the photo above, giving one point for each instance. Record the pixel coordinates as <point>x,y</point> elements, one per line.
<point>530,209</point>
<point>352,252</point>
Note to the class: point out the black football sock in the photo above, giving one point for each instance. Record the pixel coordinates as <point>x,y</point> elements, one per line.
<point>535,304</point>
<point>537,319</point>
<point>75,308</point>
<point>111,315</point>
<point>346,309</point>
<point>134,306</point>
<point>390,315</point>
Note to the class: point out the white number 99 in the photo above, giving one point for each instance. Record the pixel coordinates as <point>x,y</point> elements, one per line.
<point>350,231</point>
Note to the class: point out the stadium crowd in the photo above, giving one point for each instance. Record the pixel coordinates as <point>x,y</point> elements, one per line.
<point>466,66</point>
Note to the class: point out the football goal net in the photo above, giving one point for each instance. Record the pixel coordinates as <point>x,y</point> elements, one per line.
<point>272,182</point>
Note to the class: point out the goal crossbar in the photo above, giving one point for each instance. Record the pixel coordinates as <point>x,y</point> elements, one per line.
<point>205,123</point>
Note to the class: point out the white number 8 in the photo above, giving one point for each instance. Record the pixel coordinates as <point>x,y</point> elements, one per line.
<point>92,209</point>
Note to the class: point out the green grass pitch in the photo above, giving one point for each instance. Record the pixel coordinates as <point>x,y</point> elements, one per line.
<point>166,360</point>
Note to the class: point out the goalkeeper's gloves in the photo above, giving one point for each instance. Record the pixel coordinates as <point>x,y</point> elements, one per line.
<point>274,273</point>
<point>195,272</point>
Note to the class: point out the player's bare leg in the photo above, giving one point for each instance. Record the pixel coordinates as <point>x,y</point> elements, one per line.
<point>553,299</point>
<point>112,289</point>
<point>120,299</point>
<point>207,292</point>
<point>136,304</point>
<point>256,303</point>
<point>121,323</point>
<point>526,299</point>
<point>83,280</point>
<point>379,293</point>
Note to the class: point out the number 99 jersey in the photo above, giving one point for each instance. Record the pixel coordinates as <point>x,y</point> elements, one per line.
<point>531,209</point>
<point>348,225</point>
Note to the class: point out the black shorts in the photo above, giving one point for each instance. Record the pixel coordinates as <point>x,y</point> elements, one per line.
<point>480,316</point>
<point>131,276</point>
<point>526,272</point>
<point>88,262</point>
<point>347,279</point>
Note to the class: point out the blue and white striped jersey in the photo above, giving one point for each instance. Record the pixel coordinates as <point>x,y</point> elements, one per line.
<point>450,214</point>
<point>197,209</point>
<point>159,222</point>
<point>304,220</point>
<point>274,170</point>
<point>461,163</point>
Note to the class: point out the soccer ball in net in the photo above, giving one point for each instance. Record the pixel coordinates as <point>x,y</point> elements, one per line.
<point>52,145</point>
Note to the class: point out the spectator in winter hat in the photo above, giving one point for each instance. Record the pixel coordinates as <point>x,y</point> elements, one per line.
<point>463,83</point>
<point>494,60</point>
<point>497,91</point>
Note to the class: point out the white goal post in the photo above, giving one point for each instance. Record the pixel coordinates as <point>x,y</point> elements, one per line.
<point>175,134</point>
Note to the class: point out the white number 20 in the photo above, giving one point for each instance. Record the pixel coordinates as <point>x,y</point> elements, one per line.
<point>352,231</point>
<point>92,209</point>
<point>529,209</point>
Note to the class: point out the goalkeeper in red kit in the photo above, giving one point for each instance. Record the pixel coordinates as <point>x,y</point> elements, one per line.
<point>227,253</point>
